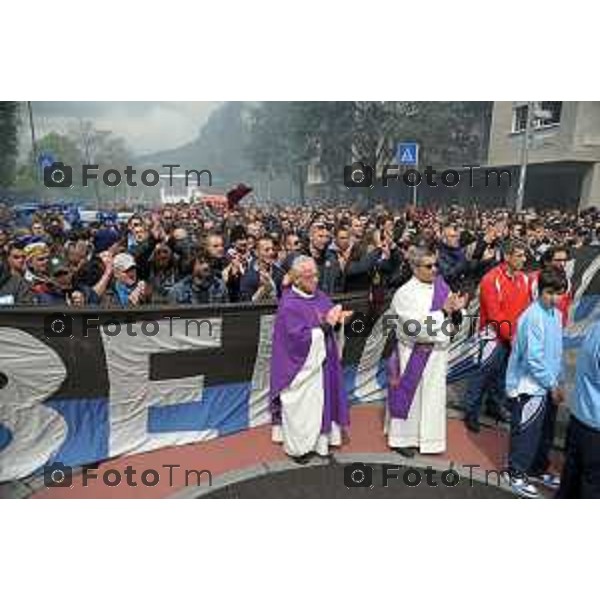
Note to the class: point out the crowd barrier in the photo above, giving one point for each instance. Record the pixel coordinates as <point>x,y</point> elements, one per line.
<point>99,384</point>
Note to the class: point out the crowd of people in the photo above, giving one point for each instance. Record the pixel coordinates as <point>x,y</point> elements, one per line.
<point>519,370</point>
<point>197,254</point>
<point>433,261</point>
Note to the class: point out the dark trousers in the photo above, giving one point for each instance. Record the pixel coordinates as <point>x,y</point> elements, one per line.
<point>581,472</point>
<point>490,378</point>
<point>531,434</point>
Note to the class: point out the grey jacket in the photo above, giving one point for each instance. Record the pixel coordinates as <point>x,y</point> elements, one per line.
<point>14,290</point>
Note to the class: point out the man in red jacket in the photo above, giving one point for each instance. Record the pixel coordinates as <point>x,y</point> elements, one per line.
<point>504,293</point>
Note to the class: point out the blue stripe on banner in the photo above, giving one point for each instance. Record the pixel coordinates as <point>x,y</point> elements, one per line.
<point>88,430</point>
<point>5,437</point>
<point>381,376</point>
<point>349,382</point>
<point>221,407</point>
<point>462,369</point>
<point>586,306</point>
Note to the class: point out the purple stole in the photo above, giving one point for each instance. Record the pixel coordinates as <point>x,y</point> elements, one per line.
<point>402,388</point>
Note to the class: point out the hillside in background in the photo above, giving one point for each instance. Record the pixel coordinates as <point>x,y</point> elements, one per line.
<point>283,150</point>
<point>220,148</point>
<point>272,146</point>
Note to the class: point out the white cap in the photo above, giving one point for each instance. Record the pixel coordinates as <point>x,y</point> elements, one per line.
<point>123,261</point>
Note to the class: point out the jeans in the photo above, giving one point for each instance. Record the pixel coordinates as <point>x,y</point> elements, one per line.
<point>490,377</point>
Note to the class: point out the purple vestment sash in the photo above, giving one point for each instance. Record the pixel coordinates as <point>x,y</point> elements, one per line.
<point>402,388</point>
<point>296,317</point>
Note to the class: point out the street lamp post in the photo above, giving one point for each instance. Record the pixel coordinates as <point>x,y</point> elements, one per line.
<point>524,157</point>
<point>36,157</point>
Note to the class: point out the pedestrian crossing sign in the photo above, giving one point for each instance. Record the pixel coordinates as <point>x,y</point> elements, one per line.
<point>407,153</point>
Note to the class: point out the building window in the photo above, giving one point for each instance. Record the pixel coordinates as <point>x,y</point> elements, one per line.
<point>545,114</point>
<point>552,117</point>
<point>520,118</point>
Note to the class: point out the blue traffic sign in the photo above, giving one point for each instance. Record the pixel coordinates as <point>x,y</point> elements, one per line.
<point>45,159</point>
<point>407,153</point>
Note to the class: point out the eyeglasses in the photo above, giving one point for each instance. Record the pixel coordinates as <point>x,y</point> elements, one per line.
<point>428,266</point>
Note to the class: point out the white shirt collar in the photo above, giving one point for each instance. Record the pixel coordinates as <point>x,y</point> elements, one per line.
<point>301,293</point>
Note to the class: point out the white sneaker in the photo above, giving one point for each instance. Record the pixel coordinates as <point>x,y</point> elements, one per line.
<point>548,480</point>
<point>521,487</point>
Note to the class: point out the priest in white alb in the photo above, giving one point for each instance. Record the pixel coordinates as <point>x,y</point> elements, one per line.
<point>308,402</point>
<point>426,314</point>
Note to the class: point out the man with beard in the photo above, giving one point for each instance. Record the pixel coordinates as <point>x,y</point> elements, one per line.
<point>263,279</point>
<point>331,276</point>
<point>201,287</point>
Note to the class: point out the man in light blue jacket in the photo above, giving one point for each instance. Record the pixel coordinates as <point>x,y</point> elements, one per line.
<point>533,385</point>
<point>581,471</point>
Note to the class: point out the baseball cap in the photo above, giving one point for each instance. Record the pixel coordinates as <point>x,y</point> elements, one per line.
<point>124,261</point>
<point>104,239</point>
<point>36,249</point>
<point>57,265</point>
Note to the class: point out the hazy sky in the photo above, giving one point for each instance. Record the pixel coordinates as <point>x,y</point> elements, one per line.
<point>146,126</point>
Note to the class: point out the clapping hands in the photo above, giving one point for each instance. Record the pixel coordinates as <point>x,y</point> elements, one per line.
<point>455,302</point>
<point>337,315</point>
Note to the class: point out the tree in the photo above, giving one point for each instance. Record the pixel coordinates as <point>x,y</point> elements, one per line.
<point>108,151</point>
<point>9,121</point>
<point>62,149</point>
<point>81,145</point>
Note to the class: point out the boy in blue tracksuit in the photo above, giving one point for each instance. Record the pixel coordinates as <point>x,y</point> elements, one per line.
<point>534,387</point>
<point>581,471</point>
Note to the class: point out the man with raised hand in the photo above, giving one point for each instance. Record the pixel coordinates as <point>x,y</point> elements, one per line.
<point>309,405</point>
<point>427,314</point>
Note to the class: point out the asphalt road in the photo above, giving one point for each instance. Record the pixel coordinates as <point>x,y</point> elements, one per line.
<point>328,481</point>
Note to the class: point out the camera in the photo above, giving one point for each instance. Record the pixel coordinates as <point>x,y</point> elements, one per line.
<point>57,475</point>
<point>358,475</point>
<point>58,175</point>
<point>358,175</point>
<point>358,326</point>
<point>58,325</point>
